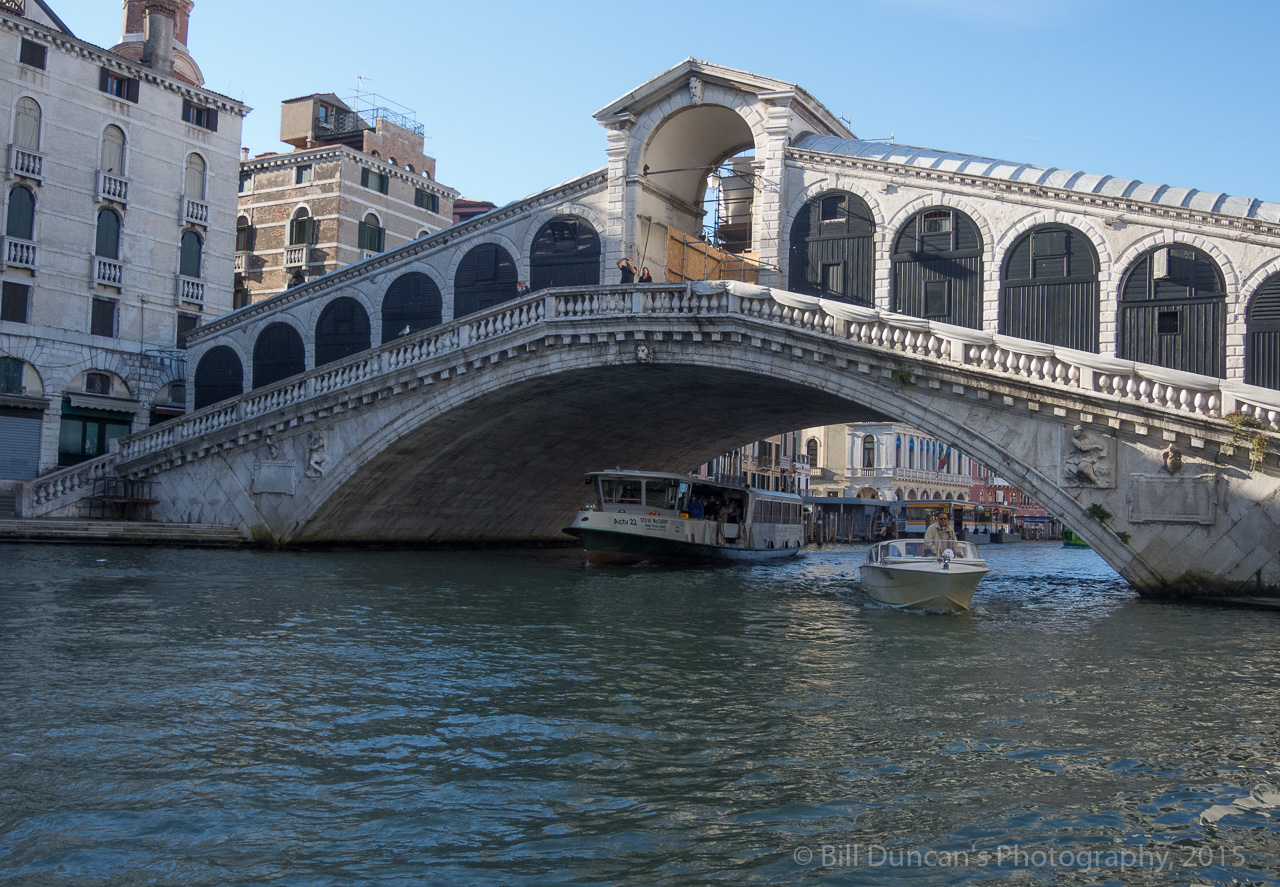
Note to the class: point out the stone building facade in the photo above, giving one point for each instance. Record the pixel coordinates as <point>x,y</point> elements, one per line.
<point>774,463</point>
<point>874,460</point>
<point>356,183</point>
<point>119,228</point>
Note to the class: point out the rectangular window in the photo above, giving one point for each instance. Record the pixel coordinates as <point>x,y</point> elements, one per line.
<point>186,325</point>
<point>244,238</point>
<point>1167,323</point>
<point>374,181</point>
<point>117,85</point>
<point>833,209</point>
<point>33,54</point>
<point>303,231</point>
<point>936,223</point>
<point>198,115</point>
<point>246,183</point>
<point>11,372</point>
<point>935,298</point>
<point>426,200</point>
<point>103,322</point>
<point>15,302</point>
<point>302,175</point>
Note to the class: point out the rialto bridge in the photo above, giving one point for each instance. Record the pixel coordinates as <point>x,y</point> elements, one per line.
<point>1109,346</point>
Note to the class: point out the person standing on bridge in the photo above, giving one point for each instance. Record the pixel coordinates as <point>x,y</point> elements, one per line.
<point>628,270</point>
<point>645,277</point>
<point>939,534</point>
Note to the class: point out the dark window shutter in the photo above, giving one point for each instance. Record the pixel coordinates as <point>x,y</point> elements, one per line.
<point>131,90</point>
<point>211,118</point>
<point>103,77</point>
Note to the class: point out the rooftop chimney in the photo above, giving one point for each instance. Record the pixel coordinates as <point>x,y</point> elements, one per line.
<point>157,47</point>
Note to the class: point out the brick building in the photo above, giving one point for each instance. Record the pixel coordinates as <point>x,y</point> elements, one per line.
<point>356,183</point>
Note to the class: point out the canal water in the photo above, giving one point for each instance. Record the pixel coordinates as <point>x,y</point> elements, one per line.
<point>249,718</point>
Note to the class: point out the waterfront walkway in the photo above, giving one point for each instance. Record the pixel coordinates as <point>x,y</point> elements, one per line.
<point>100,532</point>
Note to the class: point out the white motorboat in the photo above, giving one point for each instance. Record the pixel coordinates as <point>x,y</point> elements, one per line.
<point>655,517</point>
<point>939,575</point>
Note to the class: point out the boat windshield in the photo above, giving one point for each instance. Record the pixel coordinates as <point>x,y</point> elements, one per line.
<point>643,493</point>
<point>915,548</point>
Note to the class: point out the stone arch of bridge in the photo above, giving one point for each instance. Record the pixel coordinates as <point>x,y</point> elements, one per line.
<point>535,222</point>
<point>810,192</point>
<point>1134,251</point>
<point>497,238</point>
<point>494,457</point>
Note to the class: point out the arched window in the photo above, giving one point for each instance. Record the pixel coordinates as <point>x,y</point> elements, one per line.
<point>113,150</point>
<point>192,247</point>
<point>219,376</point>
<point>868,451</point>
<point>277,354</point>
<point>412,303</point>
<point>193,181</point>
<point>832,249</point>
<point>26,124</point>
<point>897,453</point>
<point>302,228</point>
<point>565,252</point>
<point>342,330</point>
<point>1262,337</point>
<point>811,449</point>
<point>1173,311</point>
<point>937,268</point>
<point>371,234</point>
<point>20,221</point>
<point>244,235</point>
<point>107,242</point>
<point>1049,288</point>
<point>486,277</point>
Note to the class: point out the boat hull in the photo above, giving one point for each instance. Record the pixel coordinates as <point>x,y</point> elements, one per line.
<point>923,586</point>
<point>622,549</point>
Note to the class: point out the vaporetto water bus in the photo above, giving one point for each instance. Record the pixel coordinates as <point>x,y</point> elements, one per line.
<point>656,517</point>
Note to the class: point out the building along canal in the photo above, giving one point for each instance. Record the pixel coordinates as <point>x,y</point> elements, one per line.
<point>246,717</point>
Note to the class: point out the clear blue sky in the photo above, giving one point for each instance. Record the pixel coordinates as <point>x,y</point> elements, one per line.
<point>1168,91</point>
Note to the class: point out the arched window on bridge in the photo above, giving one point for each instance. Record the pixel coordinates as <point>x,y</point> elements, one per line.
<point>486,277</point>
<point>1049,288</point>
<point>219,376</point>
<point>412,303</point>
<point>1262,337</point>
<point>833,249</point>
<point>1173,311</point>
<point>937,268</point>
<point>868,451</point>
<point>278,354</point>
<point>566,252</point>
<point>342,330</point>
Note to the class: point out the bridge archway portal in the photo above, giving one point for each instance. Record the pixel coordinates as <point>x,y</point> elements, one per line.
<point>675,165</point>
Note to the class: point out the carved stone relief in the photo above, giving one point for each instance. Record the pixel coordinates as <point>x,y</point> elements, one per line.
<point>315,455</point>
<point>1088,459</point>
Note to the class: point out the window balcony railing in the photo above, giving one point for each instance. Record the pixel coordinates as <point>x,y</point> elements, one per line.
<point>195,212</point>
<point>108,272</point>
<point>190,290</point>
<point>112,187</point>
<point>18,253</point>
<point>296,256</point>
<point>24,162</point>
<point>242,261</point>
<point>367,254</point>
